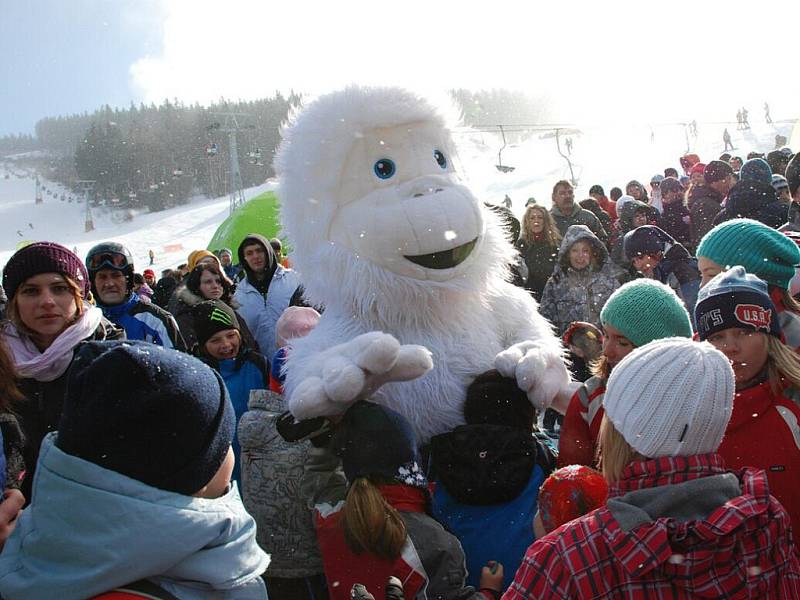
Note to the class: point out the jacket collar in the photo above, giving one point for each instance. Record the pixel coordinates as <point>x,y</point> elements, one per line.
<point>666,470</point>
<point>405,497</point>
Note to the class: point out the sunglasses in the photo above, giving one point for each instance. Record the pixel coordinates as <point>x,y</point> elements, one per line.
<point>115,260</point>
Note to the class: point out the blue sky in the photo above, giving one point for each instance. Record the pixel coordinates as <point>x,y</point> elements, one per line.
<point>621,61</point>
<point>68,56</point>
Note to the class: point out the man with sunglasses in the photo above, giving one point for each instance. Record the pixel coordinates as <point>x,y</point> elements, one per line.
<point>110,267</point>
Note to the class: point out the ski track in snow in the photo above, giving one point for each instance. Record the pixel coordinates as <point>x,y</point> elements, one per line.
<point>606,156</point>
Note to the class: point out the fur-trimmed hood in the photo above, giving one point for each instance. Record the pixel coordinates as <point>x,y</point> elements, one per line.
<point>577,233</point>
<point>187,299</point>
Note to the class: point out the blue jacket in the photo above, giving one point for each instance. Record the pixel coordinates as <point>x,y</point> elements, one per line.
<point>145,321</point>
<point>260,312</point>
<point>500,532</point>
<point>90,530</point>
<point>251,374</point>
<point>487,490</point>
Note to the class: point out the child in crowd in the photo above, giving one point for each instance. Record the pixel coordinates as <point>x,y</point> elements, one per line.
<point>637,313</point>
<point>735,313</point>
<point>569,493</point>
<point>294,322</point>
<point>271,471</point>
<point>134,487</point>
<point>656,255</point>
<point>219,344</point>
<point>488,472</point>
<point>677,523</point>
<point>581,283</point>
<point>763,252</point>
<point>372,520</point>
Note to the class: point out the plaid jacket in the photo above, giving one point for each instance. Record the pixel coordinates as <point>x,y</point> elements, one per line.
<point>743,549</point>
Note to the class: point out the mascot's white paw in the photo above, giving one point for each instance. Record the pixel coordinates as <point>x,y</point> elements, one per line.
<point>354,370</point>
<point>539,370</point>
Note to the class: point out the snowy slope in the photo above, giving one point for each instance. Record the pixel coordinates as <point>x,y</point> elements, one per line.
<point>610,157</point>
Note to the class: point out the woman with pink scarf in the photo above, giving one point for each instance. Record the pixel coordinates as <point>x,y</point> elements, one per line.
<point>48,316</point>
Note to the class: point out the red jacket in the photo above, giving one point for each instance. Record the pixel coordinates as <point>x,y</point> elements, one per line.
<point>634,548</point>
<point>764,432</point>
<point>577,444</point>
<point>609,206</point>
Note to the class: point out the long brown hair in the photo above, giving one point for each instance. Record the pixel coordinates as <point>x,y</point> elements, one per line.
<point>370,523</point>
<point>550,232</point>
<point>12,310</point>
<point>8,375</point>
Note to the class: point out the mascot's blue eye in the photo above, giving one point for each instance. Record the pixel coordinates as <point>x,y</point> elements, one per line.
<point>384,168</point>
<point>441,159</point>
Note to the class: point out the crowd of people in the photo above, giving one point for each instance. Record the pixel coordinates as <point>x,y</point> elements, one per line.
<point>148,453</point>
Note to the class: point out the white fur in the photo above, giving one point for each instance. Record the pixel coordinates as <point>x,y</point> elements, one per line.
<point>351,231</point>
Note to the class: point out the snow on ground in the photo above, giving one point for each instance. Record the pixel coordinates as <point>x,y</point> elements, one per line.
<point>608,156</point>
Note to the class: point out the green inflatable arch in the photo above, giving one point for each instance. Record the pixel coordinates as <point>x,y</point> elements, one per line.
<point>258,215</point>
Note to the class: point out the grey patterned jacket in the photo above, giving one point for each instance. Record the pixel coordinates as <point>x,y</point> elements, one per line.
<point>271,472</point>
<point>571,295</point>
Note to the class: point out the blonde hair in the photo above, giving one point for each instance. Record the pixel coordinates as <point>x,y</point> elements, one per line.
<point>614,453</point>
<point>782,364</point>
<point>550,232</point>
<point>789,301</point>
<point>601,368</point>
<point>370,523</point>
<point>12,310</point>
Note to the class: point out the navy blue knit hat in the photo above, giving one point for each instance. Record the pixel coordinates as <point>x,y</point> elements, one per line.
<point>375,441</point>
<point>153,414</point>
<point>734,298</point>
<point>647,239</point>
<point>756,169</point>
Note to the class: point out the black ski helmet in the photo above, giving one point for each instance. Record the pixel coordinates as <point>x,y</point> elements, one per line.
<point>110,255</point>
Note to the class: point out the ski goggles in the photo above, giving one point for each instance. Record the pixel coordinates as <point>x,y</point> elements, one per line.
<point>113,260</point>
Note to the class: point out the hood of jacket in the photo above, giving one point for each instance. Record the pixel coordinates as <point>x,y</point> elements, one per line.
<point>187,299</point>
<point>577,233</point>
<point>686,530</point>
<point>90,530</point>
<point>484,464</point>
<point>628,211</point>
<point>272,262</point>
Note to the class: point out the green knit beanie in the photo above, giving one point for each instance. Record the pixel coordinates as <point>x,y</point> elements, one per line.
<point>761,250</point>
<point>644,310</point>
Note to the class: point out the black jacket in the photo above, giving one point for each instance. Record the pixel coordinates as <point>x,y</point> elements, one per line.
<point>541,259</point>
<point>39,412</point>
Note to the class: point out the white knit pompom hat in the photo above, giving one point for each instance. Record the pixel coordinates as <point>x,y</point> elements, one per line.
<point>671,397</point>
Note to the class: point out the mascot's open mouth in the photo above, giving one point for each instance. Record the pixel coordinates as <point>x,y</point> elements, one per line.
<point>445,259</point>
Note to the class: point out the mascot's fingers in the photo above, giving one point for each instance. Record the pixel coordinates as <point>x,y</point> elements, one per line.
<point>542,374</point>
<point>412,362</point>
<point>344,381</point>
<point>375,352</point>
<point>506,361</point>
<point>309,400</point>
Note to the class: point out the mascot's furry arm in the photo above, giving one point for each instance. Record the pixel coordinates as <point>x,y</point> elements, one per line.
<point>393,244</point>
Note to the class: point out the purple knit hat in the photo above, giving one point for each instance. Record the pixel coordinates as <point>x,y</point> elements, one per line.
<point>43,257</point>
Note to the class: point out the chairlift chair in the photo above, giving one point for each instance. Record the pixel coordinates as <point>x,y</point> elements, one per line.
<point>500,166</point>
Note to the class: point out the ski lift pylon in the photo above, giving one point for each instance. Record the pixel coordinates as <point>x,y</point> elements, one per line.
<point>500,166</point>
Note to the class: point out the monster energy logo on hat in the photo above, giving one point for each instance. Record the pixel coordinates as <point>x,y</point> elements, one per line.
<point>220,316</point>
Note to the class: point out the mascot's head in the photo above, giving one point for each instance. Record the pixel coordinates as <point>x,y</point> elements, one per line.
<point>372,201</point>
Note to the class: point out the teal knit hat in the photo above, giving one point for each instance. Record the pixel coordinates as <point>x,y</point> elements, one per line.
<point>644,310</point>
<point>761,250</point>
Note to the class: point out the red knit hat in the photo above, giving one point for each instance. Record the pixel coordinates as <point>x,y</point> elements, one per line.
<point>149,272</point>
<point>697,168</point>
<point>44,257</point>
<point>569,493</point>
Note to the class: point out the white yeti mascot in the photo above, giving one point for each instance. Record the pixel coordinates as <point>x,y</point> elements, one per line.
<point>410,266</point>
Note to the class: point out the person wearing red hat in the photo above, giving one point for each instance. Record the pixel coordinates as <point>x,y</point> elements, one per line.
<point>149,277</point>
<point>696,173</point>
<point>705,199</point>
<point>48,316</point>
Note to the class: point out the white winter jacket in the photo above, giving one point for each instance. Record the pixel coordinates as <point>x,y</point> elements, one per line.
<point>261,313</point>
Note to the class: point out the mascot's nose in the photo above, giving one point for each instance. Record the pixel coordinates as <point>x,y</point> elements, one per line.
<point>423,186</point>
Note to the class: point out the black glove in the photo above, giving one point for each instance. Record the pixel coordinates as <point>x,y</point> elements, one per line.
<point>317,430</point>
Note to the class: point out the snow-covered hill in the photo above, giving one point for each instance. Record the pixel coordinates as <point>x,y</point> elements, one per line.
<point>610,157</point>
